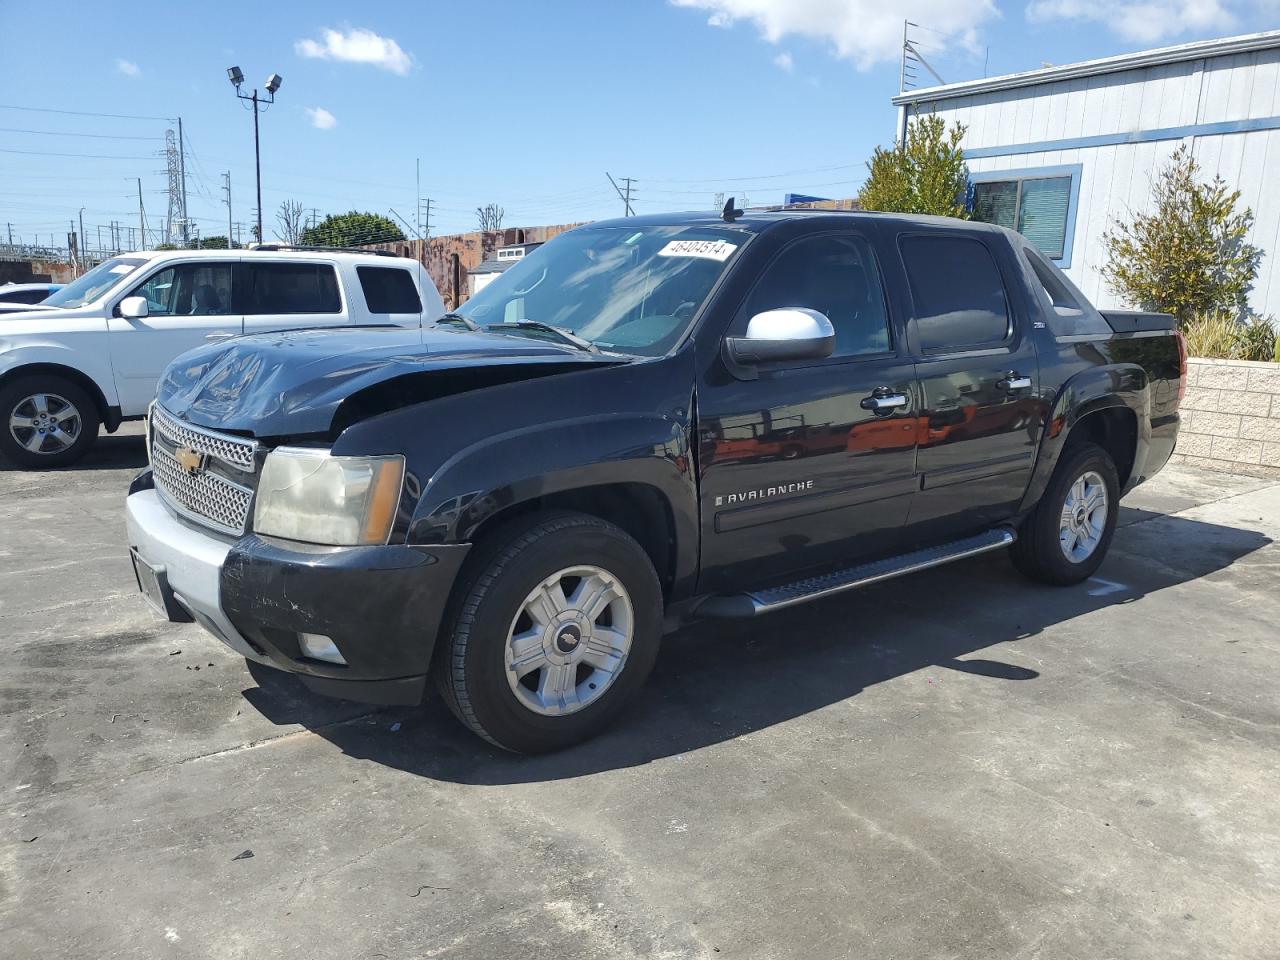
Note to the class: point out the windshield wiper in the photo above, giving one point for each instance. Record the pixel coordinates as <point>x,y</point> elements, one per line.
<point>568,337</point>
<point>459,318</point>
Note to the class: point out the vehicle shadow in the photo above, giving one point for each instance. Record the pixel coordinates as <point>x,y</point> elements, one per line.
<point>112,451</point>
<point>718,680</point>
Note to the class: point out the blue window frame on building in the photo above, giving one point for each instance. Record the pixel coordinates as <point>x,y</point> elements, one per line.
<point>1038,202</point>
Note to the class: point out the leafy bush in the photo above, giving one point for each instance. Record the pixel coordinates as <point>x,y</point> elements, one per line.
<point>351,229</point>
<point>1220,336</point>
<point>1211,335</point>
<point>927,174</point>
<point>1188,256</point>
<point>1256,339</point>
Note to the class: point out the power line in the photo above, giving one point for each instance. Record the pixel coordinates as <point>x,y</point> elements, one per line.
<point>80,113</point>
<point>61,133</point>
<point>84,156</point>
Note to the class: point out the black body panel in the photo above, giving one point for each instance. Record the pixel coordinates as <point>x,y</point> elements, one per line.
<point>737,481</point>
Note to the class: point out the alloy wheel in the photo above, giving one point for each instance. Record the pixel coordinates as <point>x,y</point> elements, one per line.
<point>45,423</point>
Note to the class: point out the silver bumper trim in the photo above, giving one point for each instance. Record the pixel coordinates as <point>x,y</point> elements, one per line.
<point>192,560</point>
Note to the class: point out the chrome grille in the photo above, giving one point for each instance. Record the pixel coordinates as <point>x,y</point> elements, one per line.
<point>208,492</point>
<point>233,451</point>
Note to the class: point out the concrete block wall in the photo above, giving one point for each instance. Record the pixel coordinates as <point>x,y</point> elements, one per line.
<point>1231,417</point>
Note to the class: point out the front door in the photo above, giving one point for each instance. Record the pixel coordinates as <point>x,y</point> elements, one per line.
<point>811,463</point>
<point>979,378</point>
<point>188,305</point>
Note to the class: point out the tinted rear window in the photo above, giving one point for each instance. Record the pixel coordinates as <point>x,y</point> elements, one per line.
<point>23,296</point>
<point>958,294</point>
<point>291,288</point>
<point>389,290</point>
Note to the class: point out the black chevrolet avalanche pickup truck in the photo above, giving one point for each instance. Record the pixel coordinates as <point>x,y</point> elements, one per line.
<point>644,422</point>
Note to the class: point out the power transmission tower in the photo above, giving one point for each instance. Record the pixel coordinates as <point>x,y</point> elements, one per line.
<point>624,197</point>
<point>175,226</point>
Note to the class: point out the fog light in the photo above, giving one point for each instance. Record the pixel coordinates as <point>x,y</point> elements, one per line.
<point>317,646</point>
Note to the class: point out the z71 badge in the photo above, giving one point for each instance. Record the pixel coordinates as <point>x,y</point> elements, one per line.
<point>764,493</point>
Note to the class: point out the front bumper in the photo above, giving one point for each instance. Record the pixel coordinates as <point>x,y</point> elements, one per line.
<point>381,606</point>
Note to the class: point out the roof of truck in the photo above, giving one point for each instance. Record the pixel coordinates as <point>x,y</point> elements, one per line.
<point>757,220</point>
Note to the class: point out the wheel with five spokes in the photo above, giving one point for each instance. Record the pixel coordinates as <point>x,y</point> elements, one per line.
<point>46,421</point>
<point>1065,538</point>
<point>557,625</point>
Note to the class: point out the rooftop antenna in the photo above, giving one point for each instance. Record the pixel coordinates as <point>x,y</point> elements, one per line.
<point>730,213</point>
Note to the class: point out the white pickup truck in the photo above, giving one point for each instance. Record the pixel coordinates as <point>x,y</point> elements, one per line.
<point>91,354</point>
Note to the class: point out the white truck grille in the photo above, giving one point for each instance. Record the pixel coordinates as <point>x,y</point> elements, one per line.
<point>208,477</point>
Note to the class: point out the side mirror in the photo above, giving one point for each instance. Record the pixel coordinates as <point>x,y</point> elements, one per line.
<point>133,308</point>
<point>789,333</point>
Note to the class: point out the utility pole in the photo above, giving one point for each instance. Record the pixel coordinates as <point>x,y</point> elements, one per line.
<point>99,239</point>
<point>142,219</point>
<point>182,169</point>
<point>624,197</point>
<point>73,248</point>
<point>272,85</point>
<point>424,218</point>
<point>82,239</point>
<point>226,185</point>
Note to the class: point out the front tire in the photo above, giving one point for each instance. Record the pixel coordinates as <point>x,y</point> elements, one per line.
<point>46,421</point>
<point>557,625</point>
<point>1066,537</point>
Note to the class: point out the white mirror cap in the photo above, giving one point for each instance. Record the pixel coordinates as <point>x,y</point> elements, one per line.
<point>790,323</point>
<point>133,307</point>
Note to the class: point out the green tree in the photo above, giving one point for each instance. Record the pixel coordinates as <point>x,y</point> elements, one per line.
<point>926,174</point>
<point>213,243</point>
<point>351,229</point>
<point>1188,256</point>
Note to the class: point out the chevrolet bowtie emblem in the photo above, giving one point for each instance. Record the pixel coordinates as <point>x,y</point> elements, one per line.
<point>189,459</point>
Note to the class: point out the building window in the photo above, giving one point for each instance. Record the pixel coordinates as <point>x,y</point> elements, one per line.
<point>1039,204</point>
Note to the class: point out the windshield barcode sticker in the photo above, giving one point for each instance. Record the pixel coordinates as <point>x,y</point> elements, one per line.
<point>706,249</point>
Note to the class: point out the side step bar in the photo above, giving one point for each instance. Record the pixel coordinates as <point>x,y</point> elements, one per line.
<point>755,602</point>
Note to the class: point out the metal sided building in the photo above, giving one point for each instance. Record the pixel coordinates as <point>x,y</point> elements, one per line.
<point>1059,152</point>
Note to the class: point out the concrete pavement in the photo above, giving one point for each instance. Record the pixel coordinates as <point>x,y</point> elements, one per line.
<point>958,764</point>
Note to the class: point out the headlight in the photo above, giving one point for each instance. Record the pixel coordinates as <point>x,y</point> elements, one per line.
<point>315,497</point>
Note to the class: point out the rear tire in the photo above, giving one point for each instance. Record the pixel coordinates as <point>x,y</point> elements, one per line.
<point>1067,535</point>
<point>46,421</point>
<point>556,625</point>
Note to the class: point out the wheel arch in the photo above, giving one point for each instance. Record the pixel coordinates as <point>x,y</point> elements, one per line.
<point>1110,406</point>
<point>108,415</point>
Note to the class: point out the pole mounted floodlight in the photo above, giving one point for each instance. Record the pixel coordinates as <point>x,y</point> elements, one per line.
<point>236,76</point>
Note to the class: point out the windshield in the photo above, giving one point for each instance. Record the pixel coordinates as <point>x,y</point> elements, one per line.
<point>629,289</point>
<point>94,283</point>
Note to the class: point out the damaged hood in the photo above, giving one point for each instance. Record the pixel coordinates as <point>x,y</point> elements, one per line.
<point>292,382</point>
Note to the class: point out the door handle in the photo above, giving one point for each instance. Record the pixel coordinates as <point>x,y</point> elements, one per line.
<point>219,335</point>
<point>883,402</point>
<point>1013,382</point>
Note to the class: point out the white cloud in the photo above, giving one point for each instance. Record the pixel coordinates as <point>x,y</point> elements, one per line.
<point>1142,21</point>
<point>357,45</point>
<point>783,61</point>
<point>321,118</point>
<point>866,32</point>
<point>128,68</point>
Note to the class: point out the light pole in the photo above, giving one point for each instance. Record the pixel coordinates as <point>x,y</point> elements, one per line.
<point>272,85</point>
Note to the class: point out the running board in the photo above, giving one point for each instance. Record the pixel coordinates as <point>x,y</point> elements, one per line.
<point>755,602</point>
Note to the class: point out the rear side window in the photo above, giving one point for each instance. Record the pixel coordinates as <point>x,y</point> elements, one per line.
<point>389,290</point>
<point>957,291</point>
<point>273,288</point>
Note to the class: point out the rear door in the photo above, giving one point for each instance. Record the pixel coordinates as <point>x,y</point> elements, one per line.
<point>189,304</point>
<point>979,379</point>
<point>289,294</point>
<point>796,467</point>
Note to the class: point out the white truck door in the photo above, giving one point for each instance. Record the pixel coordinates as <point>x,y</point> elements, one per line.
<point>290,295</point>
<point>189,304</point>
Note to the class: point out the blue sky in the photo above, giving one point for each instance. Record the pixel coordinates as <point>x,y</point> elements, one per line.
<point>525,104</point>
